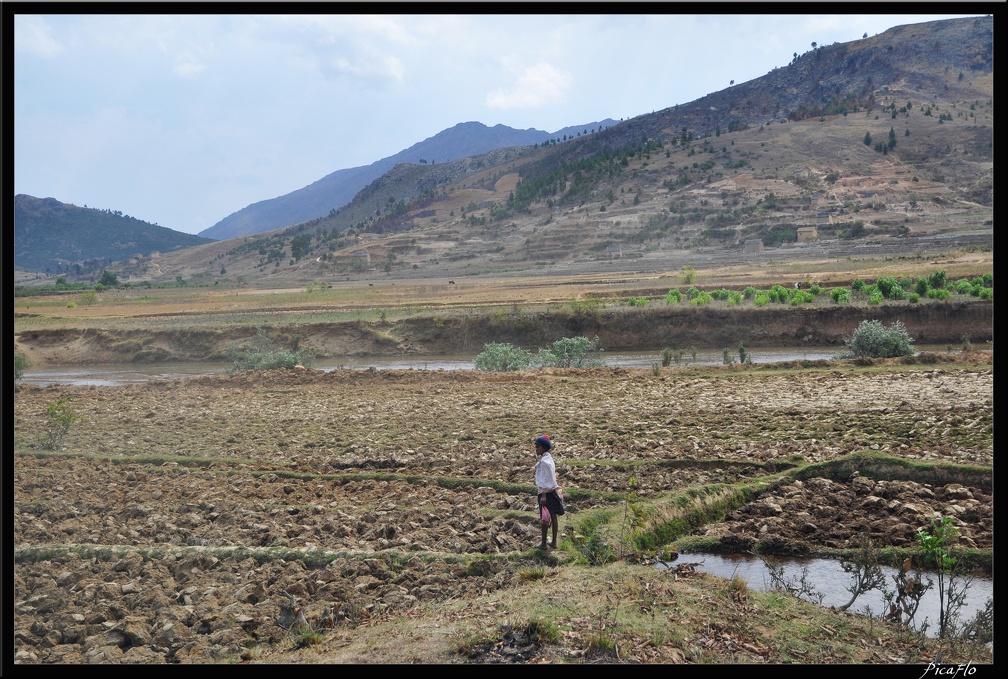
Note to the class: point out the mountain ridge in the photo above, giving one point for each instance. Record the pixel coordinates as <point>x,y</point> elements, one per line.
<point>48,236</point>
<point>875,141</point>
<point>338,188</point>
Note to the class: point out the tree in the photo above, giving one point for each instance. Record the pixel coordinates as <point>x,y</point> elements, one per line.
<point>109,279</point>
<point>892,139</point>
<point>867,138</point>
<point>21,364</point>
<point>300,245</point>
<point>813,44</point>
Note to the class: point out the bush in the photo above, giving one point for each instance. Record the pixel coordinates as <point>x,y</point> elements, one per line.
<point>673,297</point>
<point>59,417</point>
<point>779,293</point>
<point>501,357</point>
<point>938,279</point>
<point>702,299</point>
<point>872,340</point>
<point>262,356</point>
<point>21,364</point>
<point>840,295</point>
<point>572,352</point>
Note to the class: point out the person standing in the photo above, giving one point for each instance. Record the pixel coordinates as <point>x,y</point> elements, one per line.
<point>550,494</point>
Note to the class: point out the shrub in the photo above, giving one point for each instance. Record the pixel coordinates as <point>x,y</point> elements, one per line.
<point>59,417</point>
<point>801,297</point>
<point>263,356</point>
<point>872,340</point>
<point>688,275</point>
<point>749,292</point>
<point>938,279</point>
<point>673,297</point>
<point>779,293</point>
<point>762,298</point>
<point>886,286</point>
<point>571,352</point>
<point>637,301</point>
<point>501,357</point>
<point>21,364</point>
<point>701,299</point>
<point>939,294</point>
<point>840,295</point>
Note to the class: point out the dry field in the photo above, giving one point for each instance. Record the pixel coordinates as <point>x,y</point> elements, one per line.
<point>195,520</point>
<point>397,509</point>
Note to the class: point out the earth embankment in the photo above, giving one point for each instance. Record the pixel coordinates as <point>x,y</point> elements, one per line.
<point>621,329</point>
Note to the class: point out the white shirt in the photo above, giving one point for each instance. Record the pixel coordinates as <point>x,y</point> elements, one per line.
<point>545,473</point>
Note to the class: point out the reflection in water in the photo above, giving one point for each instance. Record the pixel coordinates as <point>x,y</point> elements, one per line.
<point>828,578</point>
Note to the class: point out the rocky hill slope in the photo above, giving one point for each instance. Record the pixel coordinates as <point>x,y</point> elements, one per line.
<point>879,147</point>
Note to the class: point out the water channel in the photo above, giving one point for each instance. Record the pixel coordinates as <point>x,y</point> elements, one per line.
<point>828,578</point>
<point>118,375</point>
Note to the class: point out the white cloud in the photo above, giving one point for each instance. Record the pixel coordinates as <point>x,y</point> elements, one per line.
<point>536,86</point>
<point>187,65</point>
<point>32,35</point>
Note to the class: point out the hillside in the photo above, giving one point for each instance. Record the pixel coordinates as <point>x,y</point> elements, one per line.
<point>58,238</point>
<point>337,189</point>
<point>876,148</point>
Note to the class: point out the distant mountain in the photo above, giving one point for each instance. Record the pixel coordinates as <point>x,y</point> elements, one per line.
<point>336,190</point>
<point>55,237</point>
<point>880,142</point>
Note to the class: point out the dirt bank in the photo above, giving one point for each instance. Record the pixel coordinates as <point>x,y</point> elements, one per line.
<point>623,329</point>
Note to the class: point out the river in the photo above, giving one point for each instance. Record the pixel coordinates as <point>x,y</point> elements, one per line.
<point>118,375</point>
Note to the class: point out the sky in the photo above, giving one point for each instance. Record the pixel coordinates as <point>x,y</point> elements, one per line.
<point>182,119</point>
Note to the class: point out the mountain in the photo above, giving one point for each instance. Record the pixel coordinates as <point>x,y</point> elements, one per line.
<point>57,237</point>
<point>337,189</point>
<point>878,146</point>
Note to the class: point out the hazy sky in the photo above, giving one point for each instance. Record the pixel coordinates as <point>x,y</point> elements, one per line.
<point>181,120</point>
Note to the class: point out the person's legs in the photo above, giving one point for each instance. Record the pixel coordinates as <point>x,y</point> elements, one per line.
<point>542,545</point>
<point>556,524</point>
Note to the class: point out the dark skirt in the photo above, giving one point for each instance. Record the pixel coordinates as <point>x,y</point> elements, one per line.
<point>552,502</point>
